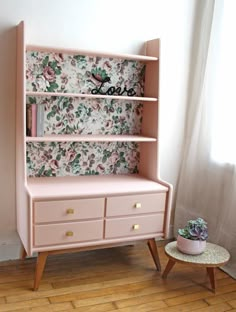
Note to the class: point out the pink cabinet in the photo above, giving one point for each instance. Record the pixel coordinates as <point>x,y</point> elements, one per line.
<point>87,164</point>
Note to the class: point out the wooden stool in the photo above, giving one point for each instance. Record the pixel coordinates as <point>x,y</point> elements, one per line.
<point>213,256</point>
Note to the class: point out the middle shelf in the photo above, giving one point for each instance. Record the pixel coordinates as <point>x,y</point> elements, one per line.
<point>91,138</point>
<point>92,96</point>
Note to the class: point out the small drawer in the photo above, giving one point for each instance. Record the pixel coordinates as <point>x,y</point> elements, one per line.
<point>131,226</point>
<point>135,204</point>
<point>51,234</point>
<point>68,210</point>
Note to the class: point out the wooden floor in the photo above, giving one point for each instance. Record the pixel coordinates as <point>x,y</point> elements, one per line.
<point>120,279</point>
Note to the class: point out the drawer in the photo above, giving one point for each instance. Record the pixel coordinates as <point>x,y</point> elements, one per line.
<point>135,204</point>
<point>131,226</point>
<point>68,210</point>
<point>67,233</point>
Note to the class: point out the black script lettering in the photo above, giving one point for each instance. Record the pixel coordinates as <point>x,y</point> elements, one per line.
<point>112,90</point>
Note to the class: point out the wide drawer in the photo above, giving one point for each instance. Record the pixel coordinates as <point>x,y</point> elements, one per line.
<point>131,226</point>
<point>67,233</point>
<point>135,204</point>
<point>68,210</point>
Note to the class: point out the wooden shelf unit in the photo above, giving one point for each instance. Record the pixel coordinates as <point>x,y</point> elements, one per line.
<point>72,213</point>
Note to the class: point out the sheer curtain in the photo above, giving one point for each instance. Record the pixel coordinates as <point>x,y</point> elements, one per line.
<point>207,181</point>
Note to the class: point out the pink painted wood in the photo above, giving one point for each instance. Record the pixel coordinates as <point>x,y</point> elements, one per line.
<point>97,96</point>
<point>68,210</point>
<point>66,233</point>
<point>135,204</point>
<point>44,188</point>
<point>44,200</point>
<point>91,138</point>
<point>144,58</point>
<point>132,226</point>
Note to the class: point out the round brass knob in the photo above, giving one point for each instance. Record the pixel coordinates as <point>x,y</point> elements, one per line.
<point>70,211</point>
<point>137,205</point>
<point>69,233</point>
<point>136,226</point>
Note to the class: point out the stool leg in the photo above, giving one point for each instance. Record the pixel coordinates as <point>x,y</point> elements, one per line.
<point>211,274</point>
<point>154,252</point>
<point>169,266</point>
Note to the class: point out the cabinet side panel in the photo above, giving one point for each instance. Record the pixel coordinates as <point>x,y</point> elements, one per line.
<point>151,87</point>
<point>149,152</point>
<point>149,160</point>
<point>21,195</point>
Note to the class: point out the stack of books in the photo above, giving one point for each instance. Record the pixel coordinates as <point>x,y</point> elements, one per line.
<point>34,120</point>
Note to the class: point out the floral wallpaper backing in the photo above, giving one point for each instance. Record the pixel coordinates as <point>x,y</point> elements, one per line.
<point>81,158</point>
<point>64,115</point>
<point>56,72</point>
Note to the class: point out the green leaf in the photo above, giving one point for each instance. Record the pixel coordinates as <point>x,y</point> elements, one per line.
<point>57,71</point>
<point>40,172</point>
<point>48,173</point>
<point>51,115</point>
<point>32,100</point>
<point>53,86</point>
<point>45,61</point>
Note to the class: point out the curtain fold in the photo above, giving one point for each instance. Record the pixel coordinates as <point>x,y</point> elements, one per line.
<point>206,188</point>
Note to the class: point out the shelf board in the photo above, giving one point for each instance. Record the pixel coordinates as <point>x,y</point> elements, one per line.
<point>92,186</point>
<point>134,57</point>
<point>93,96</point>
<point>91,138</point>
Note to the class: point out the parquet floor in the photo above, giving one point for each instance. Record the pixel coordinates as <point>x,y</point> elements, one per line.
<point>120,279</point>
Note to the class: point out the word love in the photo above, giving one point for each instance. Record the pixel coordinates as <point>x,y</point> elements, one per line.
<point>112,90</point>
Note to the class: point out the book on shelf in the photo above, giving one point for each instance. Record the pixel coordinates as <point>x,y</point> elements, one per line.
<point>34,120</point>
<point>40,120</point>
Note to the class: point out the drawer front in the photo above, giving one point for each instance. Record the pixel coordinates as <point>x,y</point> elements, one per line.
<point>131,226</point>
<point>67,233</point>
<point>135,204</point>
<point>68,210</point>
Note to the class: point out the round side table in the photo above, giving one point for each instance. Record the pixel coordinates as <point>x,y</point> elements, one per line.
<point>213,256</point>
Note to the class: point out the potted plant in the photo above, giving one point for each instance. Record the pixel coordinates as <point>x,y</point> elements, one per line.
<point>192,238</point>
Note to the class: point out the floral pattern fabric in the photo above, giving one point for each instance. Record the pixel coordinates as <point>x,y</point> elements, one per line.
<point>57,72</point>
<point>66,73</point>
<point>81,158</point>
<point>64,115</point>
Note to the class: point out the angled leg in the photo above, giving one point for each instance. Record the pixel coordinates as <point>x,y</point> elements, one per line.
<point>211,274</point>
<point>41,261</point>
<point>23,253</point>
<point>169,266</point>
<point>154,252</point>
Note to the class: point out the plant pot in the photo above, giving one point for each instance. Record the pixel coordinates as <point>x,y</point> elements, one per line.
<point>190,247</point>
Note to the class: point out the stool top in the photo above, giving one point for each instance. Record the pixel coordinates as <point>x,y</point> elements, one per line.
<point>213,255</point>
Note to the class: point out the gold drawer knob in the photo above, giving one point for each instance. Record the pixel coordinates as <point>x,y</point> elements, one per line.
<point>137,205</point>
<point>70,211</point>
<point>69,233</point>
<point>135,226</point>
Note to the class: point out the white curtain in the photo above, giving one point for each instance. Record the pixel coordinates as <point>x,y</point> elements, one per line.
<point>207,181</point>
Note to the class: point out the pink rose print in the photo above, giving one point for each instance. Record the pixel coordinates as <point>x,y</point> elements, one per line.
<point>70,155</point>
<point>49,74</point>
<point>54,164</point>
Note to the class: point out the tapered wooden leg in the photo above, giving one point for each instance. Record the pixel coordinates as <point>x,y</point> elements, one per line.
<point>169,266</point>
<point>154,252</point>
<point>41,260</point>
<point>23,253</point>
<point>211,274</point>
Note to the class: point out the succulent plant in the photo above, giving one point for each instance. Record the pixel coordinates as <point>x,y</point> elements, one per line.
<point>195,230</point>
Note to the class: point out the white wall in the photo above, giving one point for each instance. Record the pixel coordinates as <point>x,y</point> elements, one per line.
<point>116,26</point>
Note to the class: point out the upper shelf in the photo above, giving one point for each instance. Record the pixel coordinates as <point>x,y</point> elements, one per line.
<point>143,58</point>
<point>91,138</point>
<point>95,96</point>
